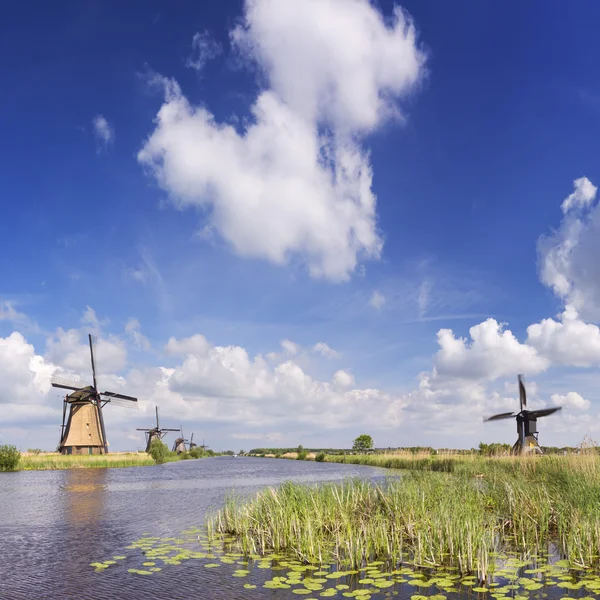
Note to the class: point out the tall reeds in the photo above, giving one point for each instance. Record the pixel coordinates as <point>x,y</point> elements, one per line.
<point>51,460</point>
<point>462,518</point>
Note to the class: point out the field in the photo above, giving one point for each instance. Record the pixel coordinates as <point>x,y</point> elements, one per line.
<point>443,510</point>
<point>54,460</point>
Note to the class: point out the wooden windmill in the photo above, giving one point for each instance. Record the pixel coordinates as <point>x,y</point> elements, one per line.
<point>192,444</point>
<point>156,433</point>
<point>179,443</point>
<point>526,423</point>
<point>84,432</point>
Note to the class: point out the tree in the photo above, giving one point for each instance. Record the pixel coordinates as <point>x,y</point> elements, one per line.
<point>9,458</point>
<point>362,443</point>
<point>159,451</point>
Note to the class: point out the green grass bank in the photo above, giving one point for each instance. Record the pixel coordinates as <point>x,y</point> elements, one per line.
<point>452,511</point>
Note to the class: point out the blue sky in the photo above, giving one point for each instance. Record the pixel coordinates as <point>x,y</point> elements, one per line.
<point>500,111</point>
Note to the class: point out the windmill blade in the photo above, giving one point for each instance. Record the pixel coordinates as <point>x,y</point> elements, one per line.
<point>522,393</point>
<point>169,429</point>
<point>544,412</point>
<point>92,340</point>
<point>120,396</point>
<point>64,383</point>
<point>122,403</point>
<point>507,415</point>
<point>138,429</point>
<point>192,438</point>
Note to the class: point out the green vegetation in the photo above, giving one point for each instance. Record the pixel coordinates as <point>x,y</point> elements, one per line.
<point>320,457</point>
<point>363,443</point>
<point>9,458</point>
<point>301,453</point>
<point>160,452</point>
<point>460,518</point>
<point>52,460</point>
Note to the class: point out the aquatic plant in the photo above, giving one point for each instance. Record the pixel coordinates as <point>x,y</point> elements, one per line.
<point>9,458</point>
<point>461,517</point>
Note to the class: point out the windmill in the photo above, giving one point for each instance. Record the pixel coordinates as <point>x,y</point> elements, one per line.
<point>84,432</point>
<point>192,445</point>
<point>156,433</point>
<point>179,443</point>
<point>526,423</point>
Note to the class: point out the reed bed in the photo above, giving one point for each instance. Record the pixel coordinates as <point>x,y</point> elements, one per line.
<point>463,515</point>
<point>54,460</point>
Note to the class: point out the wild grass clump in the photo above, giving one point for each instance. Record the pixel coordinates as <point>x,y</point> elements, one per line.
<point>53,460</point>
<point>429,518</point>
<point>9,458</point>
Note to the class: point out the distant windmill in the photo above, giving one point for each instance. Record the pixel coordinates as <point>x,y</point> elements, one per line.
<point>84,431</point>
<point>179,443</point>
<point>156,433</point>
<point>192,445</point>
<point>526,423</point>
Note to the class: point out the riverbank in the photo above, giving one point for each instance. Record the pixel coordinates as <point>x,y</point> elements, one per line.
<point>53,460</point>
<point>456,511</point>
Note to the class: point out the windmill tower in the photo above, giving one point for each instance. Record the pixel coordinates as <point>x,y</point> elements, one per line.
<point>527,432</point>
<point>84,431</point>
<point>192,444</point>
<point>156,433</point>
<point>179,443</point>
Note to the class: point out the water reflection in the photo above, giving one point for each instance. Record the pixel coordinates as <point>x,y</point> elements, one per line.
<point>85,496</point>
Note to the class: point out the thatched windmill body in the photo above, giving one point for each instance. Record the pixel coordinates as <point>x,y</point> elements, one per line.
<point>179,443</point>
<point>83,431</point>
<point>156,433</point>
<point>527,440</point>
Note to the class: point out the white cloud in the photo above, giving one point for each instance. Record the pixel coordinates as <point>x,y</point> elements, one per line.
<point>323,349</point>
<point>491,353</point>
<point>24,375</point>
<point>295,181</point>
<point>343,378</point>
<point>377,300</point>
<point>584,195</point>
<point>568,257</point>
<point>9,313</point>
<point>132,327</point>
<point>204,48</point>
<point>69,350</point>
<point>105,134</point>
<point>195,344</point>
<point>290,347</point>
<point>569,341</point>
<point>572,399</point>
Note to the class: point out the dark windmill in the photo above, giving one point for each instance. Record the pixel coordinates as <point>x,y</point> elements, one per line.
<point>84,431</point>
<point>526,423</point>
<point>192,444</point>
<point>156,433</point>
<point>179,443</point>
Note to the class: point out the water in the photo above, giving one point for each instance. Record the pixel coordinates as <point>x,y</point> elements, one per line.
<point>53,524</point>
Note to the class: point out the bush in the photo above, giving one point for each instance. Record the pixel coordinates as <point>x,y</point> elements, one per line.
<point>9,458</point>
<point>159,451</point>
<point>320,457</point>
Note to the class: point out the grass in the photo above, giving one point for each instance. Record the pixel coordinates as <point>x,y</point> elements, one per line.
<point>457,511</point>
<point>54,460</point>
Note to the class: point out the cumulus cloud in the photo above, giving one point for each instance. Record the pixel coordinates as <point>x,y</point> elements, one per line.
<point>295,181</point>
<point>377,300</point>
<point>24,375</point>
<point>290,347</point>
<point>104,133</point>
<point>568,257</point>
<point>572,399</point>
<point>69,350</point>
<point>343,378</point>
<point>204,48</point>
<point>568,341</point>
<point>492,352</point>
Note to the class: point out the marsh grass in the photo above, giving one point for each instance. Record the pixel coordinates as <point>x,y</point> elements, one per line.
<point>444,511</point>
<point>54,460</point>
